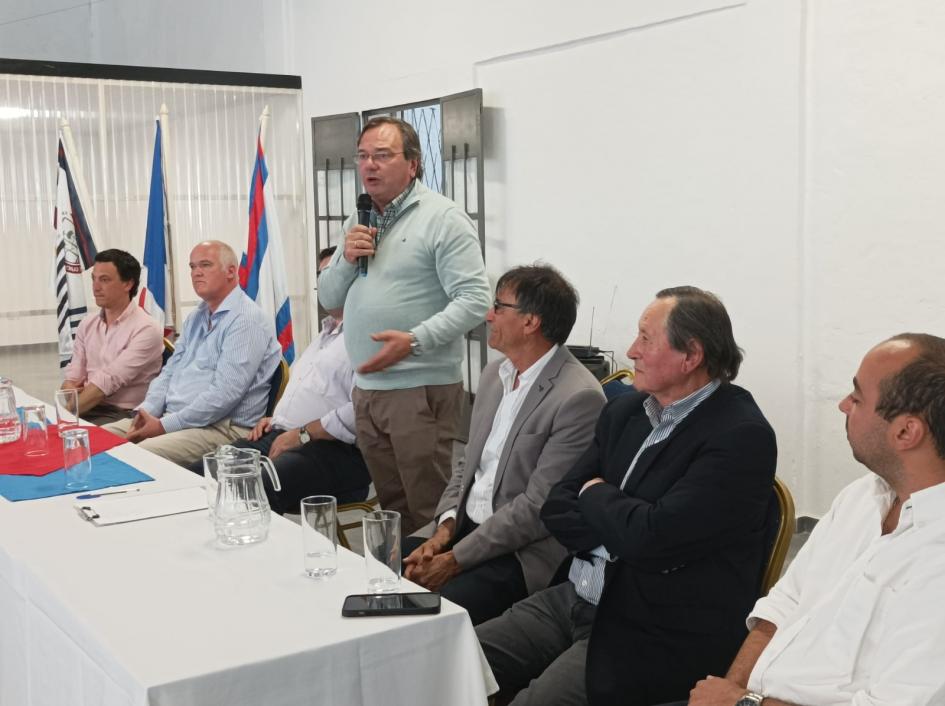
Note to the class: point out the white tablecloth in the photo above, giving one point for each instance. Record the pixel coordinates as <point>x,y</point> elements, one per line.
<point>155,612</point>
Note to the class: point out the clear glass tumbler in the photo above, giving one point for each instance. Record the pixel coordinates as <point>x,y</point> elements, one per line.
<point>382,550</point>
<point>320,535</point>
<point>9,417</point>
<point>67,410</point>
<point>35,429</point>
<point>77,455</point>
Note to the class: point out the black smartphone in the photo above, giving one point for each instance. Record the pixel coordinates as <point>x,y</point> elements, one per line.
<point>361,605</point>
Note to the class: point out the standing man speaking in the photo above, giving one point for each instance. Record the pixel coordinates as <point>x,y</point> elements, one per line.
<point>424,288</point>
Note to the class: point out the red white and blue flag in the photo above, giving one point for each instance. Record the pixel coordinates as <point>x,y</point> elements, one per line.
<point>154,295</point>
<point>262,268</point>
<point>75,251</point>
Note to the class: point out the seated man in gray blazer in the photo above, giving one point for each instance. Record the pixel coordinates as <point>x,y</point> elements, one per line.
<point>534,415</point>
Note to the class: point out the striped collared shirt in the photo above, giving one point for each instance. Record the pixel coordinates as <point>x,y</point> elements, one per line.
<point>383,221</point>
<point>588,576</point>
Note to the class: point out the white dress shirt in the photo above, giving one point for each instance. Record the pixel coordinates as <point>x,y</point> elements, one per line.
<point>320,387</point>
<point>860,615</point>
<point>479,503</point>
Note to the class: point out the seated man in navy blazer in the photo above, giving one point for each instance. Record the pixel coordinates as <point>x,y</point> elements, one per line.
<point>664,514</point>
<point>534,415</point>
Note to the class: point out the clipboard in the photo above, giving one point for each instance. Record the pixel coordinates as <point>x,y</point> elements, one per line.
<point>144,506</point>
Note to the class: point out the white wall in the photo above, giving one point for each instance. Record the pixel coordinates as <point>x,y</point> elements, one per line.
<point>875,214</point>
<point>783,153</point>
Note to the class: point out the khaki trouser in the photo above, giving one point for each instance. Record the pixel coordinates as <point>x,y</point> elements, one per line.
<point>406,437</point>
<point>186,446</point>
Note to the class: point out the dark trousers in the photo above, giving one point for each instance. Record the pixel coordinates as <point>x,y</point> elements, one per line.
<point>315,468</point>
<point>538,648</point>
<point>485,590</point>
<point>106,414</point>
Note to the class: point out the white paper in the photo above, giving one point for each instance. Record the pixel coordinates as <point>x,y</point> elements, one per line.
<point>113,510</point>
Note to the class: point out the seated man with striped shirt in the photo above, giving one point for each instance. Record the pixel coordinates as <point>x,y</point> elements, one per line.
<point>310,436</point>
<point>216,385</point>
<point>664,516</point>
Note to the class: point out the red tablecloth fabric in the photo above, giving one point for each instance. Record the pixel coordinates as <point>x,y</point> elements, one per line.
<point>15,462</point>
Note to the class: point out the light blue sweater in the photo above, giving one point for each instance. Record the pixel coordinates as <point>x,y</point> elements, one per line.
<point>427,277</point>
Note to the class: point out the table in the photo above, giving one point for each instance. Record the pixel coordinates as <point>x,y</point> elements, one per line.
<point>155,612</point>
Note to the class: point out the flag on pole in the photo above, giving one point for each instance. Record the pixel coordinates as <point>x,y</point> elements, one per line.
<point>262,267</point>
<point>75,251</point>
<point>154,294</point>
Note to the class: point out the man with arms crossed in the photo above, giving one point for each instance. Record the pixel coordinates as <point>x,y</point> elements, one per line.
<point>857,618</point>
<point>665,512</point>
<point>216,385</point>
<point>425,287</point>
<point>310,435</point>
<point>118,351</point>
<point>534,415</point>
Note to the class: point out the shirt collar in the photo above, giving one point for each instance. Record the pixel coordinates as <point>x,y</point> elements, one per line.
<point>394,206</point>
<point>677,411</point>
<point>928,505</point>
<point>125,313</point>
<point>332,326</point>
<point>507,370</point>
<point>230,302</point>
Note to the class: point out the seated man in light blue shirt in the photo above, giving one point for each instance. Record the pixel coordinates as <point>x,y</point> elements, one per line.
<point>216,385</point>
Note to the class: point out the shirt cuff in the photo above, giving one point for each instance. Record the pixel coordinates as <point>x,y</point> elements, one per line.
<point>448,515</point>
<point>602,553</point>
<point>171,423</point>
<point>334,426</point>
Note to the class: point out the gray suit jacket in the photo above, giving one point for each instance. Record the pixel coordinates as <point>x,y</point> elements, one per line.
<point>553,428</point>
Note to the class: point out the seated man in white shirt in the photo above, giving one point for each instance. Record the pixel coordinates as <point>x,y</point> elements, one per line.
<point>310,436</point>
<point>534,415</point>
<point>858,619</point>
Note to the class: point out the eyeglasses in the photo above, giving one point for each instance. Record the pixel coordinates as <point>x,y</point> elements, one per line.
<point>502,305</point>
<point>382,157</point>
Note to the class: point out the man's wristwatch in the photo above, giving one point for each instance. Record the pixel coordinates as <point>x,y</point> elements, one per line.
<point>415,347</point>
<point>750,699</point>
<point>304,436</point>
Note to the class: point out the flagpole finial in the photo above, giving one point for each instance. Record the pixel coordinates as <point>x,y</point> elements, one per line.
<point>163,112</point>
<point>63,123</point>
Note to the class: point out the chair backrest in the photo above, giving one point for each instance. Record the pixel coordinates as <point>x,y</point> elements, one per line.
<point>779,529</point>
<point>168,351</point>
<point>618,383</point>
<point>369,505</point>
<point>277,384</point>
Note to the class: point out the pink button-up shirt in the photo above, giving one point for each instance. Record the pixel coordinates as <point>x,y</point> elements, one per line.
<point>120,359</point>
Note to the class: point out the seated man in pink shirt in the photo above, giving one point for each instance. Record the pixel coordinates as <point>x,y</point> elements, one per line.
<point>117,351</point>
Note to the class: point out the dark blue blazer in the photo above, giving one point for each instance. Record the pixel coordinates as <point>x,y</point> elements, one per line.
<point>688,531</point>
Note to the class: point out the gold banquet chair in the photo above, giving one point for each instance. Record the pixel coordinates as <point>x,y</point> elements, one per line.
<point>277,384</point>
<point>617,383</point>
<point>168,351</point>
<point>781,533</point>
<point>369,505</point>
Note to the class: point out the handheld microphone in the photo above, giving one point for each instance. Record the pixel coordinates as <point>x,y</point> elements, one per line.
<point>364,219</point>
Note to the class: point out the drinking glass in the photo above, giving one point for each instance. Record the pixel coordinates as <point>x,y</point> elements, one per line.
<point>320,535</point>
<point>382,550</point>
<point>77,455</point>
<point>9,417</point>
<point>34,429</point>
<point>67,410</point>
